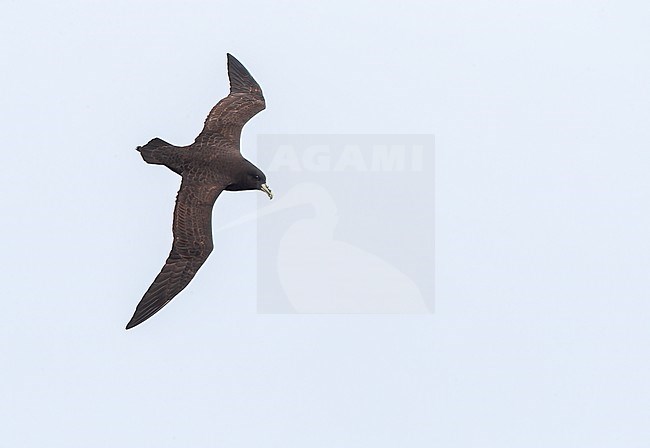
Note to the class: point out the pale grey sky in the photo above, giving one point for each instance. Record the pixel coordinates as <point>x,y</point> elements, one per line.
<point>540,333</point>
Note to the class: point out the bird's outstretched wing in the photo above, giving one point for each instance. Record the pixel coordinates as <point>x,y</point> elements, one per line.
<point>228,117</point>
<point>192,246</point>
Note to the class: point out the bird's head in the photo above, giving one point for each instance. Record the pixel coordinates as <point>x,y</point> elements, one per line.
<point>250,177</point>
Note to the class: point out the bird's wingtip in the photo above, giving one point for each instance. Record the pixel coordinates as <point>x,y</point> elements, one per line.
<point>231,59</point>
<point>241,80</point>
<point>132,323</point>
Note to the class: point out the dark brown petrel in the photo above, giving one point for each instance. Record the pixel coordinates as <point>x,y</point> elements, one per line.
<point>208,166</point>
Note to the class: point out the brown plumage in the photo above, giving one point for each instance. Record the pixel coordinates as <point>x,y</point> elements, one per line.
<point>210,165</point>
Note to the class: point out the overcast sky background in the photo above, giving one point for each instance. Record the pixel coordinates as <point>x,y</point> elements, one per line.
<point>540,333</point>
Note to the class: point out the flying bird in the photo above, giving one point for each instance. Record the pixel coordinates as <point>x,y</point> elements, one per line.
<point>210,165</point>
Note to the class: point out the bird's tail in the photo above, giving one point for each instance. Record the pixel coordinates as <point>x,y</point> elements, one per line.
<point>159,152</point>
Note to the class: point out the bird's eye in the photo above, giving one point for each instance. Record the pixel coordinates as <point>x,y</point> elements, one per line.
<point>256,177</point>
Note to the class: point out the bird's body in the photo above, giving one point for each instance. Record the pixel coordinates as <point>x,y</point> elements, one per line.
<point>210,165</point>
